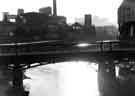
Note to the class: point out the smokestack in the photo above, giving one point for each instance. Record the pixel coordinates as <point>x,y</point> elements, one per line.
<point>54,8</point>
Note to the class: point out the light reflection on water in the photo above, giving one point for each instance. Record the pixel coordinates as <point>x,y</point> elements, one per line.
<point>76,78</point>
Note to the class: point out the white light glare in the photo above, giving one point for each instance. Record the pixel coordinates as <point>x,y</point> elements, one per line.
<point>83,45</point>
<point>117,69</point>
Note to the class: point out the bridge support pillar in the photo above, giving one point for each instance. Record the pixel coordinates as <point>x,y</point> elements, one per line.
<point>106,78</point>
<point>18,89</point>
<point>17,77</point>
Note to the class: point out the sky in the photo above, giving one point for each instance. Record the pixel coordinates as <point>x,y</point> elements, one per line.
<point>103,9</point>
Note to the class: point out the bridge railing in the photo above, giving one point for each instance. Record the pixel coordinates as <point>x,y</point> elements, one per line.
<point>49,47</point>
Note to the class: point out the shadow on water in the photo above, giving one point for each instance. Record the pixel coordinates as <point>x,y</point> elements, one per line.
<point>116,80</point>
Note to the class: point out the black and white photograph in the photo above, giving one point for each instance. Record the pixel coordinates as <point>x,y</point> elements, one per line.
<point>67,47</point>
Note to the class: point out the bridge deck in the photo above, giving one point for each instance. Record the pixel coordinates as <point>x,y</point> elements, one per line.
<point>45,50</point>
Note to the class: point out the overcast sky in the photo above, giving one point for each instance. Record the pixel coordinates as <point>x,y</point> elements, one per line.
<point>69,8</point>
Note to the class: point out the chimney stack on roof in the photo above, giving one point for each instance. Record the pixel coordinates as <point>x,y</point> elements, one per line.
<point>20,11</point>
<point>5,16</point>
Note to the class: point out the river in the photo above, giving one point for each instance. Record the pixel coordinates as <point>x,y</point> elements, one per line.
<point>74,78</point>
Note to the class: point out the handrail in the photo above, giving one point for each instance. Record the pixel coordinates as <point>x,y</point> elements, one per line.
<point>65,46</point>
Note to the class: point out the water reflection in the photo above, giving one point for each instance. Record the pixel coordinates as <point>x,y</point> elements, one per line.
<point>116,80</point>
<point>126,79</point>
<point>76,78</point>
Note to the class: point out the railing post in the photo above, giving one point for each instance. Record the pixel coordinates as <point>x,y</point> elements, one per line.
<point>101,46</point>
<point>110,45</point>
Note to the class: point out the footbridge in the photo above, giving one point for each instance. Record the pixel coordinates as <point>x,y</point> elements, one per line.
<point>18,57</point>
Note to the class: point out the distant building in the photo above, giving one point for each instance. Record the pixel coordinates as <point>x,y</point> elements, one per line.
<point>106,33</point>
<point>46,10</point>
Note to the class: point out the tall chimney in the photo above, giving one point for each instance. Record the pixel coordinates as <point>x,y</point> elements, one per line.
<point>54,8</point>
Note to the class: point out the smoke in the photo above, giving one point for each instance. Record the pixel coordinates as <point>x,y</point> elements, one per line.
<point>97,21</point>
<point>101,21</point>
